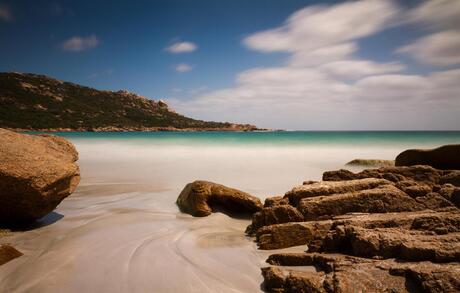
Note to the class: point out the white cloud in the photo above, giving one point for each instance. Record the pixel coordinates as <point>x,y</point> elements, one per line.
<point>183,67</point>
<point>77,43</point>
<point>182,47</point>
<point>5,13</point>
<point>351,69</point>
<point>437,13</point>
<point>324,85</point>
<point>441,49</point>
<point>323,31</point>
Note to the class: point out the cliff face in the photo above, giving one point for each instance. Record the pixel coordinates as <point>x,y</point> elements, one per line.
<point>37,102</point>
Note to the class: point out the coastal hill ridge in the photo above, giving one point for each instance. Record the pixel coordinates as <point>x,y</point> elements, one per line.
<point>37,102</point>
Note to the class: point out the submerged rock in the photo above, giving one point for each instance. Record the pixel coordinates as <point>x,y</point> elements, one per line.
<point>200,198</point>
<point>36,174</point>
<point>446,157</point>
<point>371,163</point>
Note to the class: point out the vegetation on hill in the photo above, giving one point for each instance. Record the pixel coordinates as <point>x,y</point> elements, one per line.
<point>37,102</point>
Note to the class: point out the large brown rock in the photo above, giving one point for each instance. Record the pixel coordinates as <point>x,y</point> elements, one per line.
<point>446,157</point>
<point>200,198</point>
<point>36,174</point>
<point>324,188</point>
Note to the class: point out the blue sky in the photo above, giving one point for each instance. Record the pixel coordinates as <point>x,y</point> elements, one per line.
<point>239,54</point>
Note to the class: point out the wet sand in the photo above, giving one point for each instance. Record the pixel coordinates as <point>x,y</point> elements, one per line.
<point>125,242</point>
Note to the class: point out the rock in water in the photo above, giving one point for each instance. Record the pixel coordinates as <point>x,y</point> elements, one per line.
<point>371,163</point>
<point>36,174</point>
<point>445,157</point>
<point>201,197</point>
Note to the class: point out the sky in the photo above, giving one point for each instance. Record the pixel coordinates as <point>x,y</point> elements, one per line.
<point>279,64</point>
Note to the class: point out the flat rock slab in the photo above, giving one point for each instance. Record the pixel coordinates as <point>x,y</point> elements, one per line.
<point>36,174</point>
<point>421,174</point>
<point>324,188</point>
<point>200,198</point>
<point>384,199</point>
<point>314,233</point>
<point>340,273</point>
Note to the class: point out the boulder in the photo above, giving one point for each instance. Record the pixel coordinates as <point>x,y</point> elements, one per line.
<point>446,157</point>
<point>8,253</point>
<point>201,198</point>
<point>36,174</point>
<point>324,188</point>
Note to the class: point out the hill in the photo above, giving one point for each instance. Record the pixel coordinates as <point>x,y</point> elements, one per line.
<point>37,102</point>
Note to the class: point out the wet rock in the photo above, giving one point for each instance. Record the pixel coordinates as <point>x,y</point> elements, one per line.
<point>8,253</point>
<point>274,215</point>
<point>36,174</point>
<point>324,188</point>
<point>445,157</point>
<point>384,199</point>
<point>200,198</point>
<point>371,163</point>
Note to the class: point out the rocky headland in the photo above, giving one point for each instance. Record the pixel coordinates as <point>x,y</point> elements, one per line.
<point>40,103</point>
<point>390,229</point>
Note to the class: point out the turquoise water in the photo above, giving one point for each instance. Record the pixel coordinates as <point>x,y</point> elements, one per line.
<point>261,162</point>
<point>416,138</point>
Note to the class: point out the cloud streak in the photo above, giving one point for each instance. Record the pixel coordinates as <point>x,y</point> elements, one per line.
<point>182,47</point>
<point>78,43</point>
<point>324,85</point>
<point>183,67</point>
